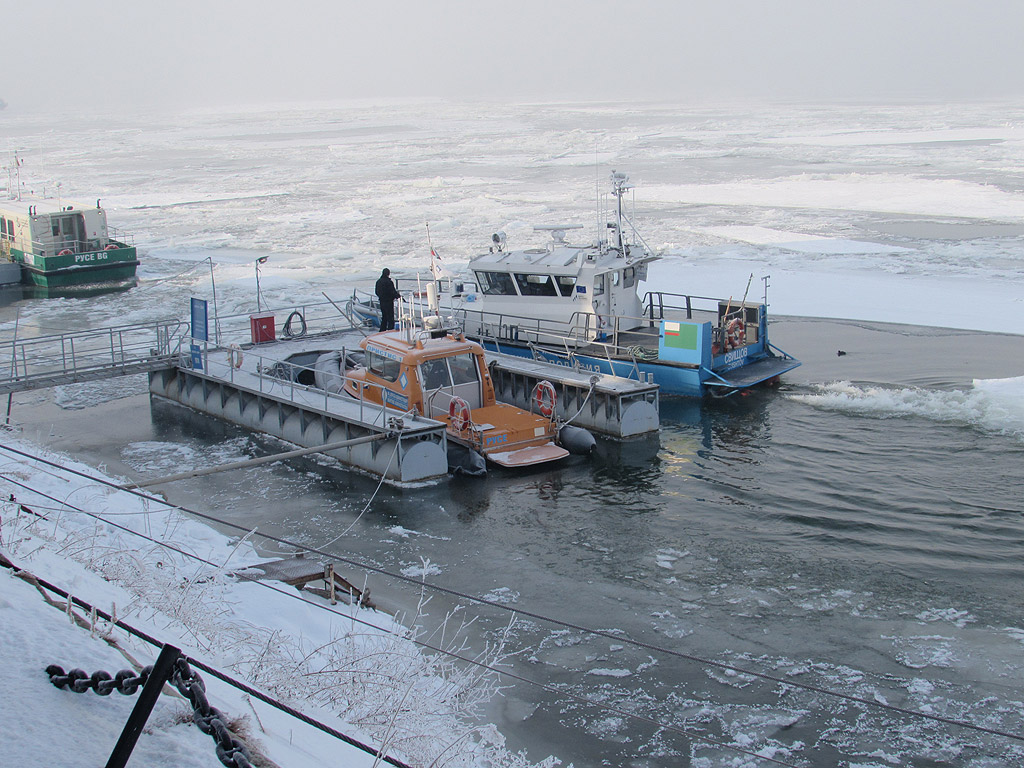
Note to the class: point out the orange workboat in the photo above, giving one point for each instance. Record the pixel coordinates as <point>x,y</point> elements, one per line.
<point>439,374</point>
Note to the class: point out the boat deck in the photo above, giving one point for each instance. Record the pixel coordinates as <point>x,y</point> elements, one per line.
<point>615,406</point>
<point>645,338</point>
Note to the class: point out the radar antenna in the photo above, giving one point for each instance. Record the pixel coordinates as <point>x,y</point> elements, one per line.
<point>557,230</point>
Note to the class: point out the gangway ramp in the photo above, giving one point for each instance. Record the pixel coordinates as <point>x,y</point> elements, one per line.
<point>70,358</point>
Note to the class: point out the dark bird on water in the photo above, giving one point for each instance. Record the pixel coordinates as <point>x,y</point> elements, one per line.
<point>840,353</point>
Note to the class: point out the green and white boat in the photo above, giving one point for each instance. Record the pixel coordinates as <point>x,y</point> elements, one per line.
<point>64,246</point>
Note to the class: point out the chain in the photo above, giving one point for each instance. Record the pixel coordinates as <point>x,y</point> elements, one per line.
<point>210,720</point>
<point>125,682</point>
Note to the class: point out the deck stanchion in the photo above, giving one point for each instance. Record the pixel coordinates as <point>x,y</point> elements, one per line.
<point>144,706</point>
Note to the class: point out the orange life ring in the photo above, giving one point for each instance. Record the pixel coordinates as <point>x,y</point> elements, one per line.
<point>545,397</point>
<point>736,334</point>
<point>458,414</point>
<point>66,252</point>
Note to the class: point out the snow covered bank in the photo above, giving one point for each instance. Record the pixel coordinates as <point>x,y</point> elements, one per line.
<point>359,671</point>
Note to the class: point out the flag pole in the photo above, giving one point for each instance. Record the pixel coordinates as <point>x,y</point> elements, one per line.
<point>430,245</point>
<point>433,262</point>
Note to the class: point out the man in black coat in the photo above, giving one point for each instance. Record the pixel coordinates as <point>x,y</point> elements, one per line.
<point>386,294</point>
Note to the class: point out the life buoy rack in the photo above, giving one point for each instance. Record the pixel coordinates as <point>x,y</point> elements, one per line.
<point>545,398</point>
<point>735,334</point>
<point>459,414</point>
<point>235,356</point>
<point>66,252</point>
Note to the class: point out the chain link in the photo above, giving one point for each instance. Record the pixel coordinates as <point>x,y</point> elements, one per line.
<point>125,682</point>
<point>210,720</point>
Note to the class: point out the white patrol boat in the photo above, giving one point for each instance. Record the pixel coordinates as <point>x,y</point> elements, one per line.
<point>580,306</point>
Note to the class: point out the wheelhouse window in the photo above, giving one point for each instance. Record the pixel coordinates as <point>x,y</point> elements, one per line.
<point>449,371</point>
<point>434,374</point>
<point>628,277</point>
<point>496,283</point>
<point>464,369</point>
<point>566,284</point>
<point>381,366</point>
<point>535,285</point>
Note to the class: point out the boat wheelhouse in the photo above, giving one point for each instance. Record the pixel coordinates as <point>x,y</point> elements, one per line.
<point>63,246</point>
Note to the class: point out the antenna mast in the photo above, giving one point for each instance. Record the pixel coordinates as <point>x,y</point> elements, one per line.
<point>620,183</point>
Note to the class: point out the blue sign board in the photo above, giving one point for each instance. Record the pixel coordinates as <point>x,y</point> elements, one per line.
<point>199,322</point>
<point>197,357</point>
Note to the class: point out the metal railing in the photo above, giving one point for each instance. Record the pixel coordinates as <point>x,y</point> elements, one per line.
<point>655,304</point>
<point>88,355</point>
<point>220,363</point>
<point>604,337</point>
<point>319,317</point>
<point>56,246</point>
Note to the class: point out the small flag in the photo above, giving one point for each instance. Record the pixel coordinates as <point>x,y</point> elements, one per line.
<point>436,266</point>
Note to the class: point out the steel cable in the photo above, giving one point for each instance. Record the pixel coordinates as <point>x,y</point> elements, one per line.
<point>618,638</point>
<point>292,594</point>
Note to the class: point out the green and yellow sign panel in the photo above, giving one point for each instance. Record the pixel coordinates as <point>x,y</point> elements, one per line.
<point>683,342</point>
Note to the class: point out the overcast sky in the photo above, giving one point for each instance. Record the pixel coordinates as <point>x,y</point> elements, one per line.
<point>113,53</point>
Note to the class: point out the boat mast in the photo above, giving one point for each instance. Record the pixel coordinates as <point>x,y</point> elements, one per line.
<point>620,183</point>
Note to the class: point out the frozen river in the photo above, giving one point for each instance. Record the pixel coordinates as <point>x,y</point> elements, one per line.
<point>859,531</point>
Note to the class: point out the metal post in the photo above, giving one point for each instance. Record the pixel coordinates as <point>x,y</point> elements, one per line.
<point>14,346</point>
<point>260,260</point>
<point>216,316</point>
<point>143,707</point>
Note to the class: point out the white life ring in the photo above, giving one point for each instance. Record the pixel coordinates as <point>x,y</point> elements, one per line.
<point>235,356</point>
<point>545,397</point>
<point>736,334</point>
<point>66,252</point>
<point>459,414</point>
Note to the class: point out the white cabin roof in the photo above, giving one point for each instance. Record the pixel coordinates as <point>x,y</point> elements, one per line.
<point>43,206</point>
<point>561,259</point>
